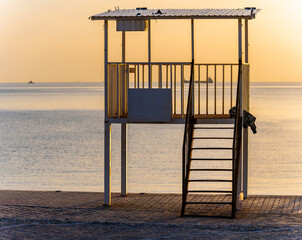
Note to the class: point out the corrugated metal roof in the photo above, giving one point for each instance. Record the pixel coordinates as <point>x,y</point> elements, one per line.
<point>247,13</point>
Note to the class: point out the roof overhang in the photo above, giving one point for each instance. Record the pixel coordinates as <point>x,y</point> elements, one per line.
<point>145,14</point>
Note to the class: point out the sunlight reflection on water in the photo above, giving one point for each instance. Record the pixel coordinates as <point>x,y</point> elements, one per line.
<point>51,138</point>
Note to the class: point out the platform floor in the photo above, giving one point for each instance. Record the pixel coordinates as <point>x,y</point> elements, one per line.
<point>26,213</point>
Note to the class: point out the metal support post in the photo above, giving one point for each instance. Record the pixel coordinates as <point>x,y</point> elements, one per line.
<point>245,130</point>
<point>124,131</point>
<point>246,36</point>
<point>240,39</point>
<point>106,68</point>
<point>192,46</point>
<point>124,159</point>
<point>107,165</point>
<point>149,54</point>
<point>123,46</point>
<point>240,103</point>
<point>107,140</point>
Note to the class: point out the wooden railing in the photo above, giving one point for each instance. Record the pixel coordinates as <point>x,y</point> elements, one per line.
<point>212,88</point>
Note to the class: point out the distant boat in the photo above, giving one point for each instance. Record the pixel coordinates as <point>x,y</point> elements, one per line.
<point>30,82</point>
<point>210,80</point>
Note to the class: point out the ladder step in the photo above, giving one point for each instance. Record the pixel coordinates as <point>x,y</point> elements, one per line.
<point>212,148</point>
<point>212,138</point>
<point>209,191</point>
<point>214,128</point>
<point>209,203</point>
<point>211,159</point>
<point>209,180</point>
<point>214,170</point>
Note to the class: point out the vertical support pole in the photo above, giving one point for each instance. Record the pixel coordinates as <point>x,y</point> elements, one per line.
<point>175,89</point>
<point>182,90</point>
<point>149,54</point>
<point>107,165</point>
<point>246,33</point>
<point>124,159</point>
<point>240,102</point>
<point>118,91</point>
<point>124,47</point>
<point>107,147</point>
<point>192,48</point>
<point>240,39</point>
<point>106,68</point>
<point>245,135</point>
<point>124,88</point>
<point>124,131</point>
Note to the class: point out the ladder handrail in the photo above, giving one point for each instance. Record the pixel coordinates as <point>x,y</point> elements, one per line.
<point>187,142</point>
<point>237,142</point>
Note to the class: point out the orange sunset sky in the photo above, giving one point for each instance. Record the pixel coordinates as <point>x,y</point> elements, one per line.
<point>54,41</point>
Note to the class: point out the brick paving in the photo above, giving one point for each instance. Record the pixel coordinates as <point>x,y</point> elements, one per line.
<point>41,207</point>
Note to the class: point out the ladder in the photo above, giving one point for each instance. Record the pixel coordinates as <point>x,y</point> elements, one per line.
<point>225,149</point>
<point>211,154</point>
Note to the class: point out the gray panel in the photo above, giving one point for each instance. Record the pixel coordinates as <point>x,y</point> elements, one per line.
<point>131,25</point>
<point>149,105</point>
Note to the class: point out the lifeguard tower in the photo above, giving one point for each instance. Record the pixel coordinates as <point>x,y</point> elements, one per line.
<point>198,95</point>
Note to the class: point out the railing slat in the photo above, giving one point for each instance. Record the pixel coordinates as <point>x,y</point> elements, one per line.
<point>117,91</point>
<point>167,77</point>
<point>198,89</point>
<point>231,100</point>
<point>193,93</point>
<point>127,87</point>
<point>143,77</point>
<point>223,89</point>
<point>174,89</point>
<point>171,82</point>
<point>182,91</point>
<point>160,84</point>
<point>207,90</point>
<point>137,75</point>
<point>215,90</point>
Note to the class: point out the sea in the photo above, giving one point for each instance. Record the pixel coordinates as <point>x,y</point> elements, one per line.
<point>52,138</point>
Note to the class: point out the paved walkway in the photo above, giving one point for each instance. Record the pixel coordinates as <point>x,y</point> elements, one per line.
<point>81,215</point>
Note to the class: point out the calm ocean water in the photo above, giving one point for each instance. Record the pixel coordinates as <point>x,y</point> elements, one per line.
<point>51,138</point>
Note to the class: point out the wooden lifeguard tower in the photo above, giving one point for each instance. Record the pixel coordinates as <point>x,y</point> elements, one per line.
<point>160,92</point>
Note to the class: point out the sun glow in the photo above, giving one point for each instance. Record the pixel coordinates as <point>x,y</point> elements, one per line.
<point>54,41</point>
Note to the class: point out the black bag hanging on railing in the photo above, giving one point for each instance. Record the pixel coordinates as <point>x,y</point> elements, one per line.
<point>248,119</point>
<point>232,112</point>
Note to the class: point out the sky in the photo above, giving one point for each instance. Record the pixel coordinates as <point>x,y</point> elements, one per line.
<point>54,41</point>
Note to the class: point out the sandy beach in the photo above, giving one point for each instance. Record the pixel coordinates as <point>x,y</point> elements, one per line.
<point>81,215</point>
